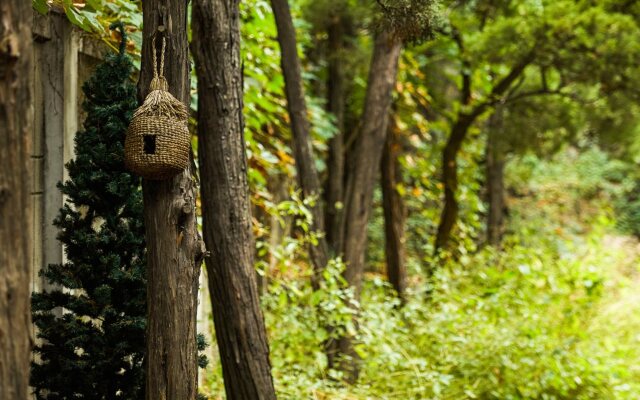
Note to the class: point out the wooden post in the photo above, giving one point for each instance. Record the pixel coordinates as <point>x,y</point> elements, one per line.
<point>174,250</point>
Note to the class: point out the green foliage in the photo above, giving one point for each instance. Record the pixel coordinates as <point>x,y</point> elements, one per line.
<point>629,209</point>
<point>40,6</point>
<point>423,192</point>
<point>91,322</point>
<point>96,16</point>
<point>539,320</point>
<point>267,129</point>
<point>576,55</point>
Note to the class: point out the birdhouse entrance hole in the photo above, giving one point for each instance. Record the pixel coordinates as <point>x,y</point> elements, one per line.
<point>149,144</point>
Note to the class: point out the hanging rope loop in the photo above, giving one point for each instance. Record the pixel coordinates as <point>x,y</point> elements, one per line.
<point>159,101</point>
<point>159,82</point>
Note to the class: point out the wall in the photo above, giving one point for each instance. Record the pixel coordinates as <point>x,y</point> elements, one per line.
<point>64,59</point>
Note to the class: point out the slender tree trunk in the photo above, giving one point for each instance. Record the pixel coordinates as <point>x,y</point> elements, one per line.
<point>334,194</point>
<point>16,115</point>
<point>308,178</point>
<point>395,212</point>
<point>174,249</point>
<point>362,176</point>
<point>359,187</point>
<point>449,215</point>
<point>495,181</point>
<point>368,153</point>
<point>239,323</point>
<point>459,131</point>
<point>307,174</point>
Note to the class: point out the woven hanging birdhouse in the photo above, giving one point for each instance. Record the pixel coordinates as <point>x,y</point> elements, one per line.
<point>158,143</point>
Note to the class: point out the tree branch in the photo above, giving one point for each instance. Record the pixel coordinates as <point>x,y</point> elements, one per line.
<point>496,95</point>
<point>465,91</point>
<point>515,87</point>
<point>505,83</point>
<point>538,92</point>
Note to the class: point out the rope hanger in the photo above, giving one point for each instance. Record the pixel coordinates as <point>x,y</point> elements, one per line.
<point>159,82</point>
<point>158,142</point>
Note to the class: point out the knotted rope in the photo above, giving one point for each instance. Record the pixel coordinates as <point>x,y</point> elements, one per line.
<point>159,102</point>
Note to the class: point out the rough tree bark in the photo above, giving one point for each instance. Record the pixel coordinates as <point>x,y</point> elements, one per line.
<point>334,194</point>
<point>495,180</point>
<point>395,212</point>
<point>16,115</point>
<point>174,249</point>
<point>307,174</point>
<point>363,173</point>
<point>239,323</point>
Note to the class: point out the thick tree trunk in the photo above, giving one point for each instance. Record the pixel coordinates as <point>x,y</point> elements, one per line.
<point>395,212</point>
<point>308,178</point>
<point>174,249</point>
<point>334,194</point>
<point>16,115</point>
<point>495,181</point>
<point>363,173</point>
<point>239,323</point>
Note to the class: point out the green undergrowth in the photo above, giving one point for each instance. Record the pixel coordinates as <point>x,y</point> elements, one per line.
<point>554,315</point>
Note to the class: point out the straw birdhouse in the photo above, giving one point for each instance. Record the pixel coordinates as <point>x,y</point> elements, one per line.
<point>158,143</point>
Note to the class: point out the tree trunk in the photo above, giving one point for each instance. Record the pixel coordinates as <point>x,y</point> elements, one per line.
<point>495,181</point>
<point>334,185</point>
<point>395,212</point>
<point>16,115</point>
<point>449,215</point>
<point>368,153</point>
<point>239,323</point>
<point>334,194</point>
<point>174,249</point>
<point>303,152</point>
<point>361,178</point>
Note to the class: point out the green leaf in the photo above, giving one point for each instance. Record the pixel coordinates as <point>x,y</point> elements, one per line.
<point>40,6</point>
<point>90,18</point>
<point>74,17</point>
<point>96,5</point>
